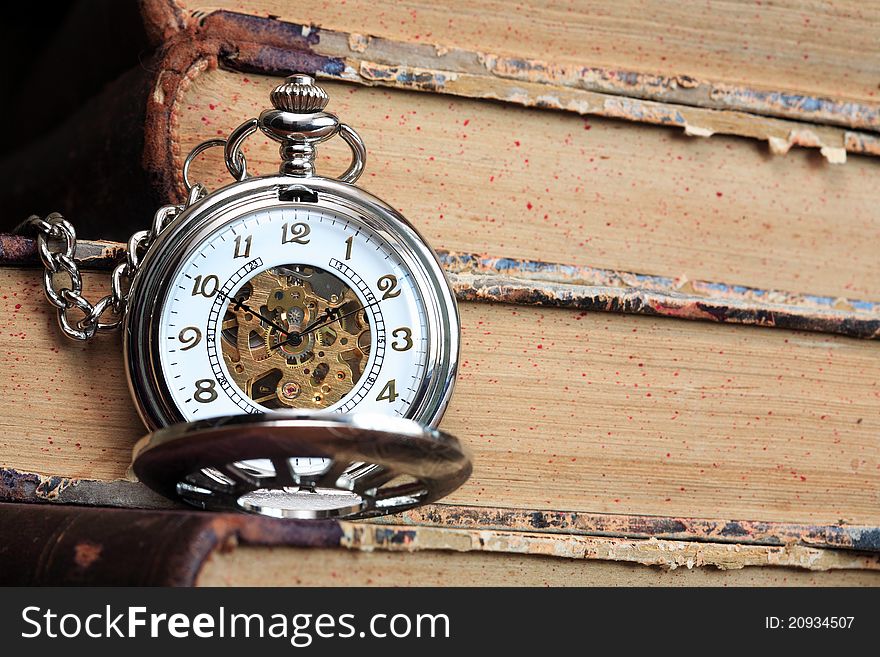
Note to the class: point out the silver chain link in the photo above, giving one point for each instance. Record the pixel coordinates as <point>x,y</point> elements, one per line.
<point>62,280</point>
<point>56,244</point>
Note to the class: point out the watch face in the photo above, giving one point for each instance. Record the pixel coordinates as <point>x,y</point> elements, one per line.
<point>319,303</point>
<point>293,307</point>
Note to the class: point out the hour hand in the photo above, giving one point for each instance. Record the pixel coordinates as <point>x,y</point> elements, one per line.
<point>330,315</point>
<point>295,338</point>
<point>240,305</point>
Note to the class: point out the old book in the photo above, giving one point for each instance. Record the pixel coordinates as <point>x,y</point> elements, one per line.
<point>707,96</point>
<point>693,435</point>
<point>185,548</point>
<point>668,419</point>
<point>822,51</point>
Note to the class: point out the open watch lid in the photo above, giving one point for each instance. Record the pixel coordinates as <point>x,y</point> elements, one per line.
<point>302,465</point>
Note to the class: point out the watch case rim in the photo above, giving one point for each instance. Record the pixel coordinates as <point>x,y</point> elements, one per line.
<point>150,286</point>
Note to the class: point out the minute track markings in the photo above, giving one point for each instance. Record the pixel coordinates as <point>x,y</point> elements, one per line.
<point>409,311</point>
<point>358,394</point>
<point>211,337</point>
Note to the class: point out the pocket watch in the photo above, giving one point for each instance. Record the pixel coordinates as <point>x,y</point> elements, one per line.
<point>290,340</point>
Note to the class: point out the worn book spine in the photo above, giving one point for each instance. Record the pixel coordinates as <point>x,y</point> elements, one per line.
<point>84,546</point>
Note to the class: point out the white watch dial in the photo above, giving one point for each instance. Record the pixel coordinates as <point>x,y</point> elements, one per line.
<point>293,307</point>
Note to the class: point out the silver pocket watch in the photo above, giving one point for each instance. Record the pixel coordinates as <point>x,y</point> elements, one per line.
<point>290,340</point>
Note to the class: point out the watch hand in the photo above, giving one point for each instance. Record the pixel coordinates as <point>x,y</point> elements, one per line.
<point>295,338</point>
<point>238,304</point>
<point>315,327</point>
<point>329,314</point>
<point>321,323</point>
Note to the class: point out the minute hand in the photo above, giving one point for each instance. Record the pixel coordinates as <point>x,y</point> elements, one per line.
<point>329,316</point>
<point>321,323</point>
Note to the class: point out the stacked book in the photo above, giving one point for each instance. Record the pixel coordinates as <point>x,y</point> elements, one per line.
<point>663,238</point>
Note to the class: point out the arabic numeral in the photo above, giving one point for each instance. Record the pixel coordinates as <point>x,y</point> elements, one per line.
<point>206,286</point>
<point>405,335</point>
<point>243,252</point>
<point>295,233</point>
<point>205,392</point>
<point>388,285</point>
<point>389,392</point>
<point>189,336</point>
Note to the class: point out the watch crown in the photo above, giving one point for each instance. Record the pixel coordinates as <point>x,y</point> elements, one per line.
<point>299,94</point>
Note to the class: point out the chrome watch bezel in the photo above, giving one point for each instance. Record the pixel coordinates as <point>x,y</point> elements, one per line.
<point>158,267</point>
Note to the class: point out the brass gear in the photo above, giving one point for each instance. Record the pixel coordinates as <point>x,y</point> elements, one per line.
<point>313,373</point>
